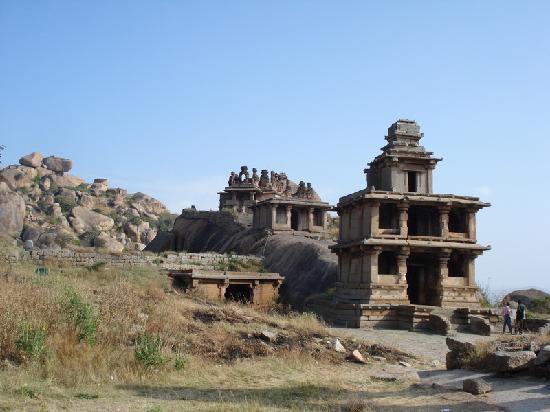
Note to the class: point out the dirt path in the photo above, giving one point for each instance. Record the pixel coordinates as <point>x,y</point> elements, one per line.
<point>427,346</point>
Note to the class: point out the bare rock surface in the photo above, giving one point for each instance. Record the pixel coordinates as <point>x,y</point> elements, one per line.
<point>57,164</point>
<point>19,177</point>
<point>476,386</point>
<point>32,160</point>
<point>543,356</point>
<point>511,361</point>
<point>67,180</point>
<point>12,211</point>
<point>86,220</point>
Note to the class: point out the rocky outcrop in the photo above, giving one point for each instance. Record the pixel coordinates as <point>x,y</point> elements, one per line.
<point>526,296</point>
<point>43,198</point>
<point>307,265</point>
<point>12,211</point>
<point>511,361</point>
<point>57,164</point>
<point>32,160</point>
<point>85,220</point>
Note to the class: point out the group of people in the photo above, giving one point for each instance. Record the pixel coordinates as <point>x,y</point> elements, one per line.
<point>517,314</point>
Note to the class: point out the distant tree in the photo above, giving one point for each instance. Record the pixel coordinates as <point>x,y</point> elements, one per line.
<point>2,147</point>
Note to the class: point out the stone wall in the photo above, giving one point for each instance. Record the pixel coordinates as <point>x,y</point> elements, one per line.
<point>165,260</point>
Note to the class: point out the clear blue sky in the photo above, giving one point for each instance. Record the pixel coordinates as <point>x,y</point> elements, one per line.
<point>166,97</point>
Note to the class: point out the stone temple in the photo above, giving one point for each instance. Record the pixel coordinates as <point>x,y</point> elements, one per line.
<point>401,246</point>
<point>273,201</point>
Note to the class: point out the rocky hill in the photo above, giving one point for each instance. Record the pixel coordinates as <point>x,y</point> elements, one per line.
<point>41,202</point>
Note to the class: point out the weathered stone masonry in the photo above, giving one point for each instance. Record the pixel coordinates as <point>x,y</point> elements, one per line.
<point>169,261</point>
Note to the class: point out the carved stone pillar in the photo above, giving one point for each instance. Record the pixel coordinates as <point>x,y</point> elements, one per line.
<point>402,257</point>
<point>403,219</point>
<point>252,195</point>
<point>310,219</point>
<point>375,218</point>
<point>288,215</point>
<point>373,258</point>
<point>471,225</point>
<point>444,220</point>
<point>471,268</point>
<point>444,257</point>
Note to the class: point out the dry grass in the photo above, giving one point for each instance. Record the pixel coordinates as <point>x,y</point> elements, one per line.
<point>211,354</point>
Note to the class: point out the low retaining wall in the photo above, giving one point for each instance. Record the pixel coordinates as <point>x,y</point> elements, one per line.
<point>165,261</point>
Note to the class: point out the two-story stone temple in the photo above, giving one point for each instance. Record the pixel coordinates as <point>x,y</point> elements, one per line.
<point>400,244</point>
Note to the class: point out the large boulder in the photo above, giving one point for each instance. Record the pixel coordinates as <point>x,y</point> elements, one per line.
<point>147,204</point>
<point>31,160</point>
<point>67,180</point>
<point>459,353</point>
<point>19,176</point>
<point>476,386</point>
<point>57,164</point>
<point>87,220</point>
<point>503,362</point>
<point>12,211</point>
<point>107,242</point>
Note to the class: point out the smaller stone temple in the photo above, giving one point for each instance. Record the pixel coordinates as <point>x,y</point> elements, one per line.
<point>302,211</point>
<point>259,289</point>
<point>272,201</point>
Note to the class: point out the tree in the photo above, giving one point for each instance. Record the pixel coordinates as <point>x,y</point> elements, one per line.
<point>2,147</point>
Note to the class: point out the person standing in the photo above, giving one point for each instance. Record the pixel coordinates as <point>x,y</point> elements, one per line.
<point>520,317</point>
<point>507,314</point>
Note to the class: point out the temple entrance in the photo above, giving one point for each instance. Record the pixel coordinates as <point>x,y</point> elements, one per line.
<point>294,219</point>
<point>238,293</point>
<point>422,279</point>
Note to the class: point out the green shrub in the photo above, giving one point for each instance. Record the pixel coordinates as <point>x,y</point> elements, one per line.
<point>89,238</point>
<point>31,340</point>
<point>540,305</point>
<point>135,220</point>
<point>148,350</point>
<point>82,314</point>
<point>66,203</point>
<point>165,222</point>
<point>180,362</point>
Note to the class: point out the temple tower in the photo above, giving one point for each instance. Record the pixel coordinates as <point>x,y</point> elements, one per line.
<point>401,244</point>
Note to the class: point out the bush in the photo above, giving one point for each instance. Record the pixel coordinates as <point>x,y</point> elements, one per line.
<point>31,340</point>
<point>66,203</point>
<point>148,349</point>
<point>83,316</point>
<point>89,238</point>
<point>180,362</point>
<point>540,305</point>
<point>165,222</point>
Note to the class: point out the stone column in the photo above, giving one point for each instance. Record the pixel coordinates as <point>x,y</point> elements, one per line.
<point>471,268</point>
<point>288,215</point>
<point>273,216</point>
<point>444,220</point>
<point>252,195</point>
<point>472,225</point>
<point>403,219</point>
<point>444,257</point>
<point>373,255</point>
<point>402,257</point>
<point>310,219</point>
<point>375,218</point>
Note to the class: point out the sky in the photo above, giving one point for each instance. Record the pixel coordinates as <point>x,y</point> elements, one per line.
<point>167,97</point>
